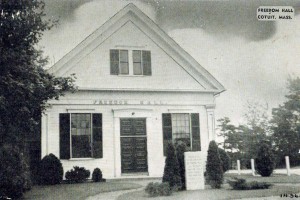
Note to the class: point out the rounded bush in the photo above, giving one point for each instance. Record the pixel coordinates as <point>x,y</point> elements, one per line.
<point>158,189</point>
<point>50,170</point>
<point>14,172</point>
<point>265,161</point>
<point>77,175</point>
<point>97,175</point>
<point>214,166</point>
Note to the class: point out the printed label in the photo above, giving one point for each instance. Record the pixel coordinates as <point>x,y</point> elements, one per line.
<point>274,13</point>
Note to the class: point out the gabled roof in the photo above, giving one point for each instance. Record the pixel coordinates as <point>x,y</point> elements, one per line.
<point>134,14</point>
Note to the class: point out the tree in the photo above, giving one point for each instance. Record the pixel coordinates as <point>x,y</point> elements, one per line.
<point>228,132</point>
<point>225,159</point>
<point>171,170</point>
<point>286,125</point>
<point>214,166</point>
<point>180,149</point>
<point>25,86</point>
<point>265,160</point>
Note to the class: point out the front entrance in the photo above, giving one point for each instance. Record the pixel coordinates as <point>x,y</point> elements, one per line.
<point>133,145</point>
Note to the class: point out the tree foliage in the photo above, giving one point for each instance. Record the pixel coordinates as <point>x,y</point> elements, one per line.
<point>25,86</point>
<point>240,142</point>
<point>214,169</point>
<point>180,149</point>
<point>286,125</point>
<point>171,170</point>
<point>225,159</point>
<point>265,162</point>
<point>14,177</point>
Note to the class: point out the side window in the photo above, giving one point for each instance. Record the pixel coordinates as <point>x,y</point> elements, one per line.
<point>181,127</point>
<point>84,139</point>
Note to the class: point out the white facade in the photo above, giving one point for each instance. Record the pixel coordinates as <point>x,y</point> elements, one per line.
<point>177,84</point>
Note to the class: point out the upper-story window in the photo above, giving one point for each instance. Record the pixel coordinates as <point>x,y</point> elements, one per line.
<point>121,65</point>
<point>119,62</point>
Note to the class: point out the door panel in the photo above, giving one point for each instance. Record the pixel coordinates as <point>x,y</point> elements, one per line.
<point>133,145</point>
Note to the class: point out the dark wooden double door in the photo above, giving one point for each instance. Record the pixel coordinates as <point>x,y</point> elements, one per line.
<point>133,145</point>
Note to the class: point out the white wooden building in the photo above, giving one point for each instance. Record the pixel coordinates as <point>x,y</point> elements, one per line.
<point>137,91</point>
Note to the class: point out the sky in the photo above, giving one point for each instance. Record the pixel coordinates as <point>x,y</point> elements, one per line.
<point>252,59</point>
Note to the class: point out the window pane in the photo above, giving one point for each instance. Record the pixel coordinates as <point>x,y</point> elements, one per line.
<point>123,56</point>
<point>124,69</point>
<point>181,128</point>
<point>137,69</point>
<point>81,135</point>
<point>136,55</point>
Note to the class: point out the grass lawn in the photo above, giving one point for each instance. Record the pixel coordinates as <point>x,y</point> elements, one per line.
<point>215,194</point>
<point>275,178</point>
<point>76,191</point>
<point>282,185</point>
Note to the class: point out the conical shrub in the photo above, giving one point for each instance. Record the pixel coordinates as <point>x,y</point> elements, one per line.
<point>214,169</point>
<point>171,170</point>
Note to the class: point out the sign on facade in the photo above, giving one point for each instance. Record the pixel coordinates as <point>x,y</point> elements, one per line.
<point>194,172</point>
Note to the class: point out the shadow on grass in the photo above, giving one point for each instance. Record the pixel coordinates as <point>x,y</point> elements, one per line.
<point>76,191</point>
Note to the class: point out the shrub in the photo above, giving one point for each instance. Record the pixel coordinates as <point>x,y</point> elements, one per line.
<point>214,166</point>
<point>97,175</point>
<point>225,160</point>
<point>180,149</point>
<point>171,170</point>
<point>265,161</point>
<point>158,189</point>
<point>77,175</point>
<point>241,184</point>
<point>14,172</point>
<point>50,170</point>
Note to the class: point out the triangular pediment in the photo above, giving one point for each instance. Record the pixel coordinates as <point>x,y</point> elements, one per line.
<point>142,28</point>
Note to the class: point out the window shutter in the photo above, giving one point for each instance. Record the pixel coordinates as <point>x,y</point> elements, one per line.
<point>147,63</point>
<point>114,62</point>
<point>167,130</point>
<point>196,144</point>
<point>97,136</point>
<point>64,135</point>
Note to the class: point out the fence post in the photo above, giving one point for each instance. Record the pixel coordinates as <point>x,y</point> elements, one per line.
<point>252,167</point>
<point>287,164</point>
<point>239,167</point>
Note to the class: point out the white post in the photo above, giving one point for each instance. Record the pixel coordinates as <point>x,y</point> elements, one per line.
<point>252,167</point>
<point>287,164</point>
<point>239,167</point>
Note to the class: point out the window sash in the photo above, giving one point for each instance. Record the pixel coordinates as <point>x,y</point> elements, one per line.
<point>123,65</point>
<point>137,62</point>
